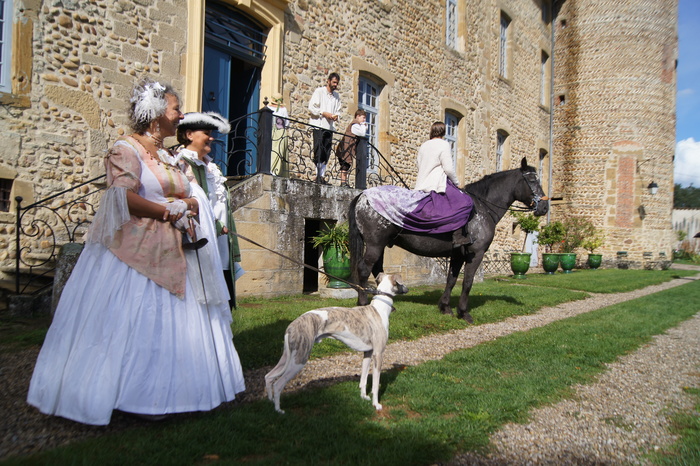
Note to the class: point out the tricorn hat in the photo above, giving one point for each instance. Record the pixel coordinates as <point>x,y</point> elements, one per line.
<point>209,120</point>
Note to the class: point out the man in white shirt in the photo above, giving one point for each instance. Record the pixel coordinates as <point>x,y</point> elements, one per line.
<point>324,107</point>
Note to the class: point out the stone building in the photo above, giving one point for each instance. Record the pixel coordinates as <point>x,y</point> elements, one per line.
<point>599,128</point>
<point>614,125</point>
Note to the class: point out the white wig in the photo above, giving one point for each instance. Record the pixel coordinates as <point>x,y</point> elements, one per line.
<point>208,120</point>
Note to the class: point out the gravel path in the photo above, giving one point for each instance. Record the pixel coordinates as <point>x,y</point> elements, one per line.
<point>608,422</point>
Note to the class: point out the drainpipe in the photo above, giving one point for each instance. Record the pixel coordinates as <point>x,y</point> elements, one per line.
<point>552,26</point>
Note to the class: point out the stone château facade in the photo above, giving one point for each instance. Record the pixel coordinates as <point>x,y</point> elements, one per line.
<point>599,129</point>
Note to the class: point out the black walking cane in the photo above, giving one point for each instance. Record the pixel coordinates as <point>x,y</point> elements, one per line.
<point>195,245</point>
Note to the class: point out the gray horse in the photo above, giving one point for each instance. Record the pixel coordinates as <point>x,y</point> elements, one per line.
<point>492,196</point>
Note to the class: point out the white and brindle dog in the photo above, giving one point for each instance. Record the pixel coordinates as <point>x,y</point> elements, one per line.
<point>362,328</point>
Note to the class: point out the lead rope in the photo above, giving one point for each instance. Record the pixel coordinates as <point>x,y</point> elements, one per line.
<point>352,285</point>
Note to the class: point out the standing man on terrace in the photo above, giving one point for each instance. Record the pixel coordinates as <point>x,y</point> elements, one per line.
<point>324,107</point>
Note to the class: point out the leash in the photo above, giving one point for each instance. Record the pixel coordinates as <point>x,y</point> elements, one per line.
<point>352,285</point>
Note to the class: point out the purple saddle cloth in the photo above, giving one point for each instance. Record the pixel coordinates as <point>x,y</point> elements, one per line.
<point>420,211</point>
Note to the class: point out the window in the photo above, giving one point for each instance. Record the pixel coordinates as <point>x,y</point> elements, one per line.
<point>503,49</point>
<point>5,190</point>
<point>451,125</point>
<point>368,100</point>
<point>544,79</point>
<point>5,44</point>
<point>501,139</point>
<point>451,24</point>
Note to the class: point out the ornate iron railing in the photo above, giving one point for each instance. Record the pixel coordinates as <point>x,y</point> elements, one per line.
<point>44,226</point>
<point>261,142</point>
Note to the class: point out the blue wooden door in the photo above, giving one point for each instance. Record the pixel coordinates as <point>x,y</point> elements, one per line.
<point>216,94</point>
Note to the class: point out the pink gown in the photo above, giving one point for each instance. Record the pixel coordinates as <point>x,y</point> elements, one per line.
<point>132,331</point>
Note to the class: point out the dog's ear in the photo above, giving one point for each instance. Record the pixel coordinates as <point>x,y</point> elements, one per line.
<point>380,277</point>
<point>397,278</point>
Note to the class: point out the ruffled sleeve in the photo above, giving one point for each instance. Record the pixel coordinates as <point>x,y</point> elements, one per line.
<point>112,215</point>
<point>123,166</point>
<point>123,172</point>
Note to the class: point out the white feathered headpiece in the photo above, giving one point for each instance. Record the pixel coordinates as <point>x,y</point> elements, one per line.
<point>149,101</point>
<point>209,120</point>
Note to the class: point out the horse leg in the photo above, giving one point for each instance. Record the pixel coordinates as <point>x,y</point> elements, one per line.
<point>378,265</point>
<point>470,269</point>
<point>456,262</point>
<point>364,267</point>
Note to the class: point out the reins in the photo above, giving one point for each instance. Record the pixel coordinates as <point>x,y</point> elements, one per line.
<point>533,206</point>
<point>352,285</point>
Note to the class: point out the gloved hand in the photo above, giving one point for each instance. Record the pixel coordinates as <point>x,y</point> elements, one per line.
<point>183,224</point>
<point>175,209</point>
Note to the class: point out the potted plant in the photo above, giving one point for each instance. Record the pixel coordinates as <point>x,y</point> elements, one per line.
<point>576,229</point>
<point>591,243</point>
<point>550,234</point>
<point>334,239</point>
<point>520,261</point>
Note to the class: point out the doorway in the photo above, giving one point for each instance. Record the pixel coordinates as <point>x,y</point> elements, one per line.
<point>234,54</point>
<point>311,255</point>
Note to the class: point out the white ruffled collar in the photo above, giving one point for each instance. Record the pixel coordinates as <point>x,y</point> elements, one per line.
<point>193,156</point>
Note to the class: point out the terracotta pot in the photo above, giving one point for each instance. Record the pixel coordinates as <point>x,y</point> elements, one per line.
<point>594,260</point>
<point>519,263</point>
<point>337,264</point>
<point>550,262</point>
<point>568,261</point>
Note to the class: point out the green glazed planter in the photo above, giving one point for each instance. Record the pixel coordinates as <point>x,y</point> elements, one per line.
<point>568,261</point>
<point>550,262</point>
<point>594,260</point>
<point>519,263</point>
<point>337,264</point>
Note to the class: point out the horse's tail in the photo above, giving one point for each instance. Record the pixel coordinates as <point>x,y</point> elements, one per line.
<point>357,244</point>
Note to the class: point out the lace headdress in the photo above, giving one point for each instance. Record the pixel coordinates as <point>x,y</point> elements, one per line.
<point>148,99</point>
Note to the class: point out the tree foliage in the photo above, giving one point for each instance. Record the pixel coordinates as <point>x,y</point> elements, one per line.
<point>686,198</point>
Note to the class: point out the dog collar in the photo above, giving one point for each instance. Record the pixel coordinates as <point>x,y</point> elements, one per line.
<point>388,302</point>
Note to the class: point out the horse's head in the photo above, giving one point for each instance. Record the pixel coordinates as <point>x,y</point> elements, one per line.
<point>531,193</point>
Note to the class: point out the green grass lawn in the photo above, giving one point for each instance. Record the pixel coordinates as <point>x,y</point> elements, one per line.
<point>605,280</point>
<point>431,411</point>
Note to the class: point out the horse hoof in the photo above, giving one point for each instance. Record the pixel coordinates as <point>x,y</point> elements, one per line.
<point>468,317</point>
<point>447,312</point>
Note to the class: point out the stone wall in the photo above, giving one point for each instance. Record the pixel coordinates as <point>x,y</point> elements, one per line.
<point>688,221</point>
<point>84,58</point>
<point>402,46</point>
<point>274,212</point>
<point>615,119</point>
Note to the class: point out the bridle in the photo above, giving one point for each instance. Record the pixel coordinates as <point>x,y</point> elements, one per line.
<point>534,204</point>
<point>536,198</point>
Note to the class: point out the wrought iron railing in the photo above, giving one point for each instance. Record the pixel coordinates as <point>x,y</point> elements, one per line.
<point>261,142</point>
<point>44,226</point>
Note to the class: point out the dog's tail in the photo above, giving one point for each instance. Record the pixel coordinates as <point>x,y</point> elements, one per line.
<point>281,366</point>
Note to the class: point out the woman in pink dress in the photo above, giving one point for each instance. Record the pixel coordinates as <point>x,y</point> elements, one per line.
<point>138,328</point>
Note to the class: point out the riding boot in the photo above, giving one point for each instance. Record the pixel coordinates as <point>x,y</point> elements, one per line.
<point>460,238</point>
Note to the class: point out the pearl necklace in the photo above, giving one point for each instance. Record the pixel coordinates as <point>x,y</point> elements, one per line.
<point>163,155</point>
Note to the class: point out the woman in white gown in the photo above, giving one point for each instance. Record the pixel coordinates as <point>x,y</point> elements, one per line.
<point>135,330</point>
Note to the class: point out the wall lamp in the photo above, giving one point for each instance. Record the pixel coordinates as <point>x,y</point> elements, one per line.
<point>653,188</point>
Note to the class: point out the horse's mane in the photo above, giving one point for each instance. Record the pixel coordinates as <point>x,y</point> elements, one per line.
<point>481,187</point>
